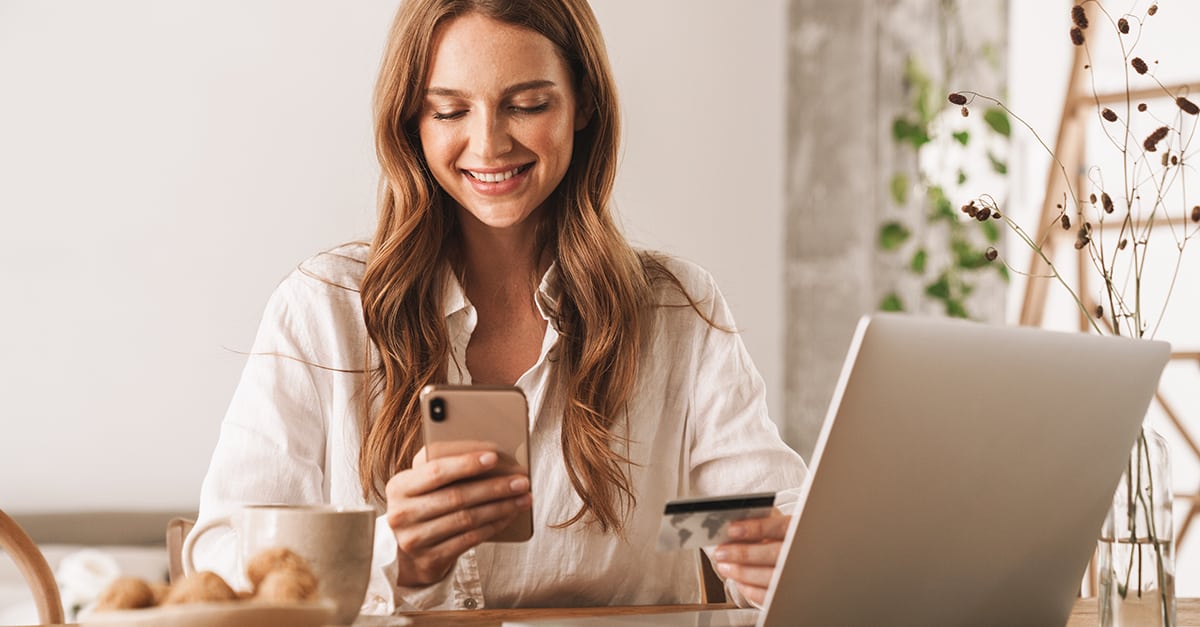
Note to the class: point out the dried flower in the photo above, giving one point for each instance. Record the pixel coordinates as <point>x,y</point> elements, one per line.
<point>996,215</point>
<point>1196,213</point>
<point>1121,244</point>
<point>1188,106</point>
<point>1077,36</point>
<point>1152,10</point>
<point>965,113</point>
<point>1151,143</point>
<point>1141,106</point>
<point>983,214</point>
<point>1166,158</point>
<point>1139,65</point>
<point>1092,198</point>
<point>1079,16</point>
<point>1066,222</point>
<point>1099,311</point>
<point>1174,160</point>
<point>1109,114</point>
<point>1123,26</point>
<point>1107,202</point>
<point>990,254</point>
<point>957,99</point>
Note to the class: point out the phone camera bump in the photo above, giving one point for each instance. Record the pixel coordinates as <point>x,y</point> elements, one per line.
<point>437,409</point>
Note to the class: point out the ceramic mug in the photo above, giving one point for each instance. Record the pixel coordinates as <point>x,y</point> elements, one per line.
<point>336,541</point>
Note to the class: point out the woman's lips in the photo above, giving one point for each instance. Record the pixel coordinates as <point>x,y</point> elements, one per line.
<point>494,181</point>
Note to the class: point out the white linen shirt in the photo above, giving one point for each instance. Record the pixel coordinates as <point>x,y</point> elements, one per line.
<point>697,423</point>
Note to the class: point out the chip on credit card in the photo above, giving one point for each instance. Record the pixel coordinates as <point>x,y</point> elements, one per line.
<point>692,523</point>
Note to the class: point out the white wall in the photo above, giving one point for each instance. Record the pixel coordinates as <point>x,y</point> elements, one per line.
<point>163,165</point>
<point>1039,62</point>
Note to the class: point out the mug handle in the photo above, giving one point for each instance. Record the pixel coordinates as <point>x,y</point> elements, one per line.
<point>189,544</point>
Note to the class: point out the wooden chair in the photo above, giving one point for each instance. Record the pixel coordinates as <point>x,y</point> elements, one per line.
<point>177,530</point>
<point>712,588</point>
<point>33,566</point>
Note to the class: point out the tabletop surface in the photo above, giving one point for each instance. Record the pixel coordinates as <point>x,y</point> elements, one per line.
<point>1085,614</point>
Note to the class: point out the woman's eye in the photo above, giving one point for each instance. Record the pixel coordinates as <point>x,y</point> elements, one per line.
<point>533,109</point>
<point>448,115</point>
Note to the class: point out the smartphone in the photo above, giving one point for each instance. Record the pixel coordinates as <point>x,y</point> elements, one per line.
<point>460,419</point>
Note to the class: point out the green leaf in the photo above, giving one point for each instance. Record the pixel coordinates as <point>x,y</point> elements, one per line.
<point>892,235</point>
<point>919,259</point>
<point>998,120</point>
<point>956,309</point>
<point>991,231</point>
<point>939,289</point>
<point>962,177</point>
<point>967,256</point>
<point>940,207</point>
<point>999,166</point>
<point>891,302</point>
<point>899,187</point>
<point>906,131</point>
<point>963,137</point>
<point>1003,270</point>
<point>924,101</point>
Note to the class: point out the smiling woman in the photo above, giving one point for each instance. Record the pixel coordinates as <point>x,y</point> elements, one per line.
<point>165,164</point>
<point>497,260</point>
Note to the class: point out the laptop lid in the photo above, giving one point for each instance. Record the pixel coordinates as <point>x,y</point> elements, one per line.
<point>960,478</point>
<point>962,474</point>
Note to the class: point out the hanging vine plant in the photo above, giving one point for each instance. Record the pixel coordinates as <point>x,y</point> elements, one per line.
<point>943,148</point>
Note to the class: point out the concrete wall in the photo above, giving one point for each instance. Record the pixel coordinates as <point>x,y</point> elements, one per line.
<point>846,85</point>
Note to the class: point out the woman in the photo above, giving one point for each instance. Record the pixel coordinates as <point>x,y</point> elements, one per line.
<point>496,261</point>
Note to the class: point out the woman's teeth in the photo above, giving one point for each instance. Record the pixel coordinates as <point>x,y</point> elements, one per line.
<point>494,177</point>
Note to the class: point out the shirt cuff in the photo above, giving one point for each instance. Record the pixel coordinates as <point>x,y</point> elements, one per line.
<point>384,597</point>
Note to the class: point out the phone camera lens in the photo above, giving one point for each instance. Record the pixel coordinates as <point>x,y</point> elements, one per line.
<point>437,410</point>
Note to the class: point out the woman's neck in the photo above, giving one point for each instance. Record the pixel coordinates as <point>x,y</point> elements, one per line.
<point>500,261</point>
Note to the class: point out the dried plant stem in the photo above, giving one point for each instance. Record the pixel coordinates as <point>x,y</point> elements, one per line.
<point>1016,228</point>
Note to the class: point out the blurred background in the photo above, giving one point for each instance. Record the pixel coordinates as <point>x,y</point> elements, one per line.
<point>164,165</point>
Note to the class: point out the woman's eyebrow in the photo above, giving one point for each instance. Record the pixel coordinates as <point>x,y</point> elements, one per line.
<point>508,91</point>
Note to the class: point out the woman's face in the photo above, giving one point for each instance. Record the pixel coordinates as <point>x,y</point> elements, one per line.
<point>499,118</point>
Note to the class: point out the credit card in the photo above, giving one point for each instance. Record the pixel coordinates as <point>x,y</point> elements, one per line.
<point>692,523</point>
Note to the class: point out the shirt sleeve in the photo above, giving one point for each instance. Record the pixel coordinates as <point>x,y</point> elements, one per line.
<point>274,443</point>
<point>271,447</point>
<point>735,446</point>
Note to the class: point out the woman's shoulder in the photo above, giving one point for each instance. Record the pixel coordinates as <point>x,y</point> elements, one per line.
<point>669,273</point>
<point>340,266</point>
<point>330,275</point>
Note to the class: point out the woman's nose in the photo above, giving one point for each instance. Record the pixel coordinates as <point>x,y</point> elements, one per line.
<point>490,136</point>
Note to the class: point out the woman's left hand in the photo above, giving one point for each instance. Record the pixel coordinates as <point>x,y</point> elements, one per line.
<point>750,559</point>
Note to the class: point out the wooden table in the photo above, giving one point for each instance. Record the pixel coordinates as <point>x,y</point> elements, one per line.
<point>1084,615</point>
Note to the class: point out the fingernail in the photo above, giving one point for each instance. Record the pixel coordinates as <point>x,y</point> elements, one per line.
<point>737,532</point>
<point>524,500</point>
<point>720,555</point>
<point>520,484</point>
<point>725,568</point>
<point>487,459</point>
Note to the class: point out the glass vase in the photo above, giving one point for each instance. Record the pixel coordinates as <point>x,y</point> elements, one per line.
<point>1137,547</point>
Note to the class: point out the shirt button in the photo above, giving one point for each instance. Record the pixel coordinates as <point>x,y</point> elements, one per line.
<point>470,603</point>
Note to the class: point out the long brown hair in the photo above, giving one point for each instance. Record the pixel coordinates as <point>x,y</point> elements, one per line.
<point>606,286</point>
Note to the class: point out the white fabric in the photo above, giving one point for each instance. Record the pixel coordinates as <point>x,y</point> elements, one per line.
<point>698,426</point>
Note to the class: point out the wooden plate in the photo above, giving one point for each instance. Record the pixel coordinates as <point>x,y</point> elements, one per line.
<point>231,614</point>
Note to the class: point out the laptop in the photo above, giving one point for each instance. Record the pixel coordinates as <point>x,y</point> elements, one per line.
<point>960,478</point>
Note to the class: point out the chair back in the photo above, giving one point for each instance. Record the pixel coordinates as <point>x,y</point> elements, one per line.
<point>32,564</point>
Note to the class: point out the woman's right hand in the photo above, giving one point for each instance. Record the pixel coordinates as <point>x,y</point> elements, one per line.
<point>437,511</point>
